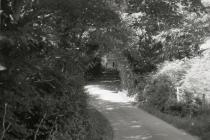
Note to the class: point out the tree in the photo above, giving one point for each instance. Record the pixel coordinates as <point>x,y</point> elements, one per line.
<point>44,50</point>
<point>158,31</point>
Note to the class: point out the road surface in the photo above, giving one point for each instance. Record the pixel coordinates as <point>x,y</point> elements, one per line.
<point>129,122</point>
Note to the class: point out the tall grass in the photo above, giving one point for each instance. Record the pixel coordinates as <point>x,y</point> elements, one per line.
<point>197,125</point>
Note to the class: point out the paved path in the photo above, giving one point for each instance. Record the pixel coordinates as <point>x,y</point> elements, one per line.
<point>129,122</point>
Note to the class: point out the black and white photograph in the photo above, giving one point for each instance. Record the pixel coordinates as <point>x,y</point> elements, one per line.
<point>104,69</point>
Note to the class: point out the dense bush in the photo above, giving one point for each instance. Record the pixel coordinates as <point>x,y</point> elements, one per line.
<point>160,92</point>
<point>39,99</point>
<point>43,57</point>
<point>196,81</point>
<point>174,70</point>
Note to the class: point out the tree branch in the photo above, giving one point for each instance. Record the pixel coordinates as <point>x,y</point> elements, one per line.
<point>37,130</point>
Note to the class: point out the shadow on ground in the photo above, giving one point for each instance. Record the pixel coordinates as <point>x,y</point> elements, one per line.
<point>101,128</point>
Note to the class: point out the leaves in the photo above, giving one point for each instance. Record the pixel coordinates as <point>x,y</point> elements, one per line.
<point>43,48</point>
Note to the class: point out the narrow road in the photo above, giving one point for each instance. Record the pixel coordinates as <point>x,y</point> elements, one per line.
<point>129,122</point>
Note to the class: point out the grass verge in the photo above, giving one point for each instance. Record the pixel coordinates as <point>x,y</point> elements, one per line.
<point>100,128</point>
<point>197,126</point>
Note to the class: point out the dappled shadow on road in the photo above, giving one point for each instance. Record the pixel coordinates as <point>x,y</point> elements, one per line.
<point>127,121</point>
<point>110,103</point>
<point>125,128</point>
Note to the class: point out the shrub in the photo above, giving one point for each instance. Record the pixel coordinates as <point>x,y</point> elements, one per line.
<point>197,79</point>
<point>39,99</point>
<point>175,70</point>
<point>160,92</point>
<point>127,78</point>
<point>183,109</point>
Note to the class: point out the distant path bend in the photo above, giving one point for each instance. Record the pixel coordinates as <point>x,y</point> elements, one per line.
<point>129,122</point>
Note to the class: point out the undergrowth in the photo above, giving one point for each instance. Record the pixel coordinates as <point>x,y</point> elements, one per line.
<point>198,126</point>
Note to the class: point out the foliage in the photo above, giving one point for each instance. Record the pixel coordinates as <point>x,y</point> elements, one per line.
<point>160,92</point>
<point>197,126</point>
<point>94,69</point>
<point>178,40</point>
<point>184,42</point>
<point>127,77</point>
<point>44,51</point>
<point>196,81</point>
<point>159,31</point>
<point>47,47</point>
<point>174,70</point>
<point>96,131</point>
